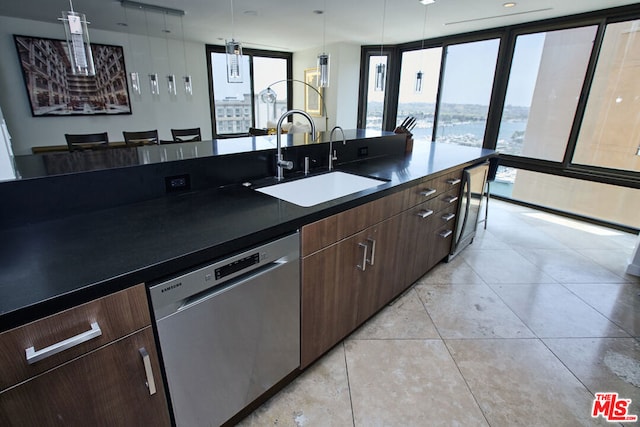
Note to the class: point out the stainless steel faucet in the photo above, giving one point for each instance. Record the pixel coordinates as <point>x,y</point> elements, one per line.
<point>332,155</point>
<point>288,164</point>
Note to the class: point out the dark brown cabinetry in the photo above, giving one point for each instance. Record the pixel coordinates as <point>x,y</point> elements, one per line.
<point>357,261</point>
<point>112,378</point>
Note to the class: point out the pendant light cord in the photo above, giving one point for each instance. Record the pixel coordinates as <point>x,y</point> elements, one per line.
<point>384,15</point>
<point>324,28</point>
<point>184,46</point>
<point>233,35</point>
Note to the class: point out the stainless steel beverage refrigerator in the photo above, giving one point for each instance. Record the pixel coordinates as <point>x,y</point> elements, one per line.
<point>474,179</point>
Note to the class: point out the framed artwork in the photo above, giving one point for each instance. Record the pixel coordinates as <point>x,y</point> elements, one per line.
<point>54,91</point>
<point>313,98</point>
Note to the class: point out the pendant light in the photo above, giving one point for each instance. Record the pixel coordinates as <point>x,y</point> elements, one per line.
<point>420,74</point>
<point>171,78</point>
<point>323,58</point>
<point>80,55</point>
<point>234,55</point>
<point>134,76</point>
<point>188,88</point>
<point>154,86</point>
<point>381,67</point>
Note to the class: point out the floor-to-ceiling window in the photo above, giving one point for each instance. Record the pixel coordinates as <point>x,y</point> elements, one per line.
<point>417,95</point>
<point>237,107</point>
<point>560,100</point>
<point>466,92</point>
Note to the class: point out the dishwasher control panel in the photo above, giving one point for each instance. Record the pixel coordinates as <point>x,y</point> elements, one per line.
<point>235,266</point>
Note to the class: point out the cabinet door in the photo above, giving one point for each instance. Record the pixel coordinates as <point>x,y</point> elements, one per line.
<point>329,292</point>
<point>106,387</point>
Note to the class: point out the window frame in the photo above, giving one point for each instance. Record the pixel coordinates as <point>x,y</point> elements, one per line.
<point>249,52</point>
<point>507,35</point>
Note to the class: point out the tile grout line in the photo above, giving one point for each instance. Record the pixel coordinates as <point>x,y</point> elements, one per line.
<point>346,368</point>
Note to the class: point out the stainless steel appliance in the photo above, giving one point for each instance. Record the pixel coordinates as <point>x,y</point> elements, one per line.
<point>229,331</point>
<point>473,183</point>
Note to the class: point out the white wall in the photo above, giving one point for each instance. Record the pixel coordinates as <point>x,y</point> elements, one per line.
<point>341,97</point>
<point>142,54</point>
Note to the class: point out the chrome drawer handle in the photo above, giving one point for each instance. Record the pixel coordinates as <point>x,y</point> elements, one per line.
<point>363,266</point>
<point>33,356</point>
<point>446,233</point>
<point>146,360</point>
<point>425,213</point>
<point>453,181</point>
<point>448,217</point>
<point>428,192</point>
<point>451,199</point>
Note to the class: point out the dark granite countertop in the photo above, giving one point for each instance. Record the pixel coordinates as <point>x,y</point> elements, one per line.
<point>53,265</point>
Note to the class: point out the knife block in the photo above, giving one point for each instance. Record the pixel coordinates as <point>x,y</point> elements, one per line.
<point>408,145</point>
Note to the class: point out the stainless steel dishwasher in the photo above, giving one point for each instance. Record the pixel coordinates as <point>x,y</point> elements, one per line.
<point>229,331</point>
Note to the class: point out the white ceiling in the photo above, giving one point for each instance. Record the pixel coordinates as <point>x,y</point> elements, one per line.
<point>292,25</point>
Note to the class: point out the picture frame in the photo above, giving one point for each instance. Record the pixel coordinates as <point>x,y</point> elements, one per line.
<point>53,91</point>
<point>313,100</point>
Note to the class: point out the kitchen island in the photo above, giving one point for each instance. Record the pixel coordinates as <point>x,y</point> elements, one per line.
<point>57,264</point>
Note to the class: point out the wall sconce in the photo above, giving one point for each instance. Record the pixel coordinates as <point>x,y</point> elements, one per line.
<point>75,28</point>
<point>153,83</point>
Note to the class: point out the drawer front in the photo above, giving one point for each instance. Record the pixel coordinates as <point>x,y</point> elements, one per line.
<point>442,239</point>
<point>432,188</point>
<point>328,231</point>
<point>106,387</point>
<point>446,201</point>
<point>82,328</point>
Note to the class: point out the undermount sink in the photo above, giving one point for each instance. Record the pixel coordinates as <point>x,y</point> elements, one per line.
<point>317,189</point>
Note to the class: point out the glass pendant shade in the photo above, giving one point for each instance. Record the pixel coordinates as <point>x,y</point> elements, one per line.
<point>153,83</point>
<point>268,96</point>
<point>234,61</point>
<point>171,84</point>
<point>323,70</point>
<point>381,71</point>
<point>75,26</point>
<point>135,83</point>
<point>419,77</point>
<point>188,88</point>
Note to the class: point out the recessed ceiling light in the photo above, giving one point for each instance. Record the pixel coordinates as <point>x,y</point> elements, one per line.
<point>427,1</point>
<point>251,12</point>
<point>122,24</point>
<point>318,12</point>
<point>166,31</point>
<point>509,4</point>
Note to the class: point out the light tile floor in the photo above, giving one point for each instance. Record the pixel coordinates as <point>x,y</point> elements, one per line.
<point>522,328</point>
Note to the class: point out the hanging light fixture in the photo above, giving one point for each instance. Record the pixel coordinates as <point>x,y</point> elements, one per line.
<point>323,58</point>
<point>188,88</point>
<point>420,74</point>
<point>75,27</point>
<point>234,55</point>
<point>381,67</point>
<point>171,78</point>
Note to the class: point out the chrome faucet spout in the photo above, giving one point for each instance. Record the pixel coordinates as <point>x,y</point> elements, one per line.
<point>332,155</point>
<point>282,164</point>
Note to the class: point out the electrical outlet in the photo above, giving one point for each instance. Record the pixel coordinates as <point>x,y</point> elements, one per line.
<point>363,151</point>
<point>177,183</point>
